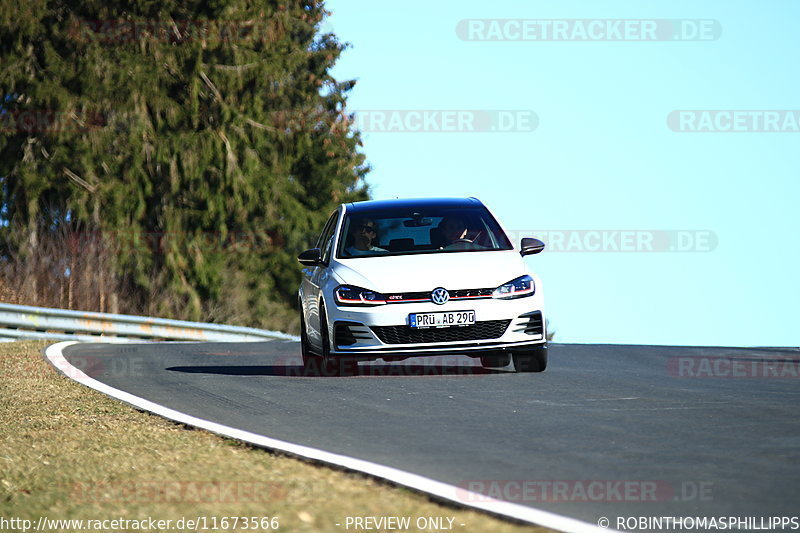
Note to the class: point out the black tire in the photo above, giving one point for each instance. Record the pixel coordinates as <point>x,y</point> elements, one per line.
<point>331,365</point>
<point>495,360</point>
<point>531,359</point>
<point>312,363</point>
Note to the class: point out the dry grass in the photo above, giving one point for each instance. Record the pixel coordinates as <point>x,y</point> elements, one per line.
<point>75,267</point>
<point>70,452</point>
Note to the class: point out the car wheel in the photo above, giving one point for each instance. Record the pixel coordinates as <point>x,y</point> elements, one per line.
<point>331,365</point>
<point>495,360</point>
<point>311,362</point>
<point>531,360</point>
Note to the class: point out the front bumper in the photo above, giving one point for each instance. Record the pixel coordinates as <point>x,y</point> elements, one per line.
<point>372,332</point>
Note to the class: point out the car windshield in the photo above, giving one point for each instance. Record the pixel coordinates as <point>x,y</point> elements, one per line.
<point>420,231</point>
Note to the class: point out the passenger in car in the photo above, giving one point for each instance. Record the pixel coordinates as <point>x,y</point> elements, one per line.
<point>363,232</point>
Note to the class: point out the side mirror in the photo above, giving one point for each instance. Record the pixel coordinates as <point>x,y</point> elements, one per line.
<point>531,246</point>
<point>312,257</point>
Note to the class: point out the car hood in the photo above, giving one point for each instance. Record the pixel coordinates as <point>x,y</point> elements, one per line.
<point>424,272</point>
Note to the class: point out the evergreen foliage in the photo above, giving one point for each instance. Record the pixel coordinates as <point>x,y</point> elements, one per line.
<point>205,141</point>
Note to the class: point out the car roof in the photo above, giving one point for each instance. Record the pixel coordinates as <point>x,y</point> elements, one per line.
<point>411,203</point>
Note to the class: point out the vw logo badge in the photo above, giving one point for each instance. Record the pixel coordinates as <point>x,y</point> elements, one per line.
<point>440,296</point>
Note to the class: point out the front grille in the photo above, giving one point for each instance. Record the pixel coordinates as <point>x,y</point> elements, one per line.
<point>425,296</point>
<point>471,293</point>
<point>490,329</point>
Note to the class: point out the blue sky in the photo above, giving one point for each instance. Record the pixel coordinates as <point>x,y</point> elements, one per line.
<point>603,158</point>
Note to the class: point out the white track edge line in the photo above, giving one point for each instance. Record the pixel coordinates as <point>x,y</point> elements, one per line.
<point>54,354</point>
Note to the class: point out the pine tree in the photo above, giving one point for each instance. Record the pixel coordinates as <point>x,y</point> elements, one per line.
<point>207,139</point>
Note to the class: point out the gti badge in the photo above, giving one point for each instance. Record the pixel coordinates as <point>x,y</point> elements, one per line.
<point>440,296</point>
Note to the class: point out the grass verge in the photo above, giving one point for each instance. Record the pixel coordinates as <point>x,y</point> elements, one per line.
<point>69,452</point>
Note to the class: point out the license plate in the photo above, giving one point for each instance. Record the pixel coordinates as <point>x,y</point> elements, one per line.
<point>441,320</point>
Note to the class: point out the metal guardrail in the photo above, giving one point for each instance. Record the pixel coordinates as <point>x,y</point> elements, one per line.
<point>26,322</point>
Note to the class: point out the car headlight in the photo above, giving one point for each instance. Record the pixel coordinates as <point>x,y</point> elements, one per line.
<point>350,295</point>
<point>516,288</point>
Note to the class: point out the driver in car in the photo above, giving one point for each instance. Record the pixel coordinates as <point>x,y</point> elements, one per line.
<point>454,231</point>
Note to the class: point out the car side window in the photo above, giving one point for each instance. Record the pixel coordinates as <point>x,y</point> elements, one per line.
<point>325,242</point>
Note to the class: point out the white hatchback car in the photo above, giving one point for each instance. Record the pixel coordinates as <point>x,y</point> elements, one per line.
<point>403,278</point>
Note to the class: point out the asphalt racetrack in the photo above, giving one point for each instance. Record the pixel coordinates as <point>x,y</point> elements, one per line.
<point>607,431</point>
